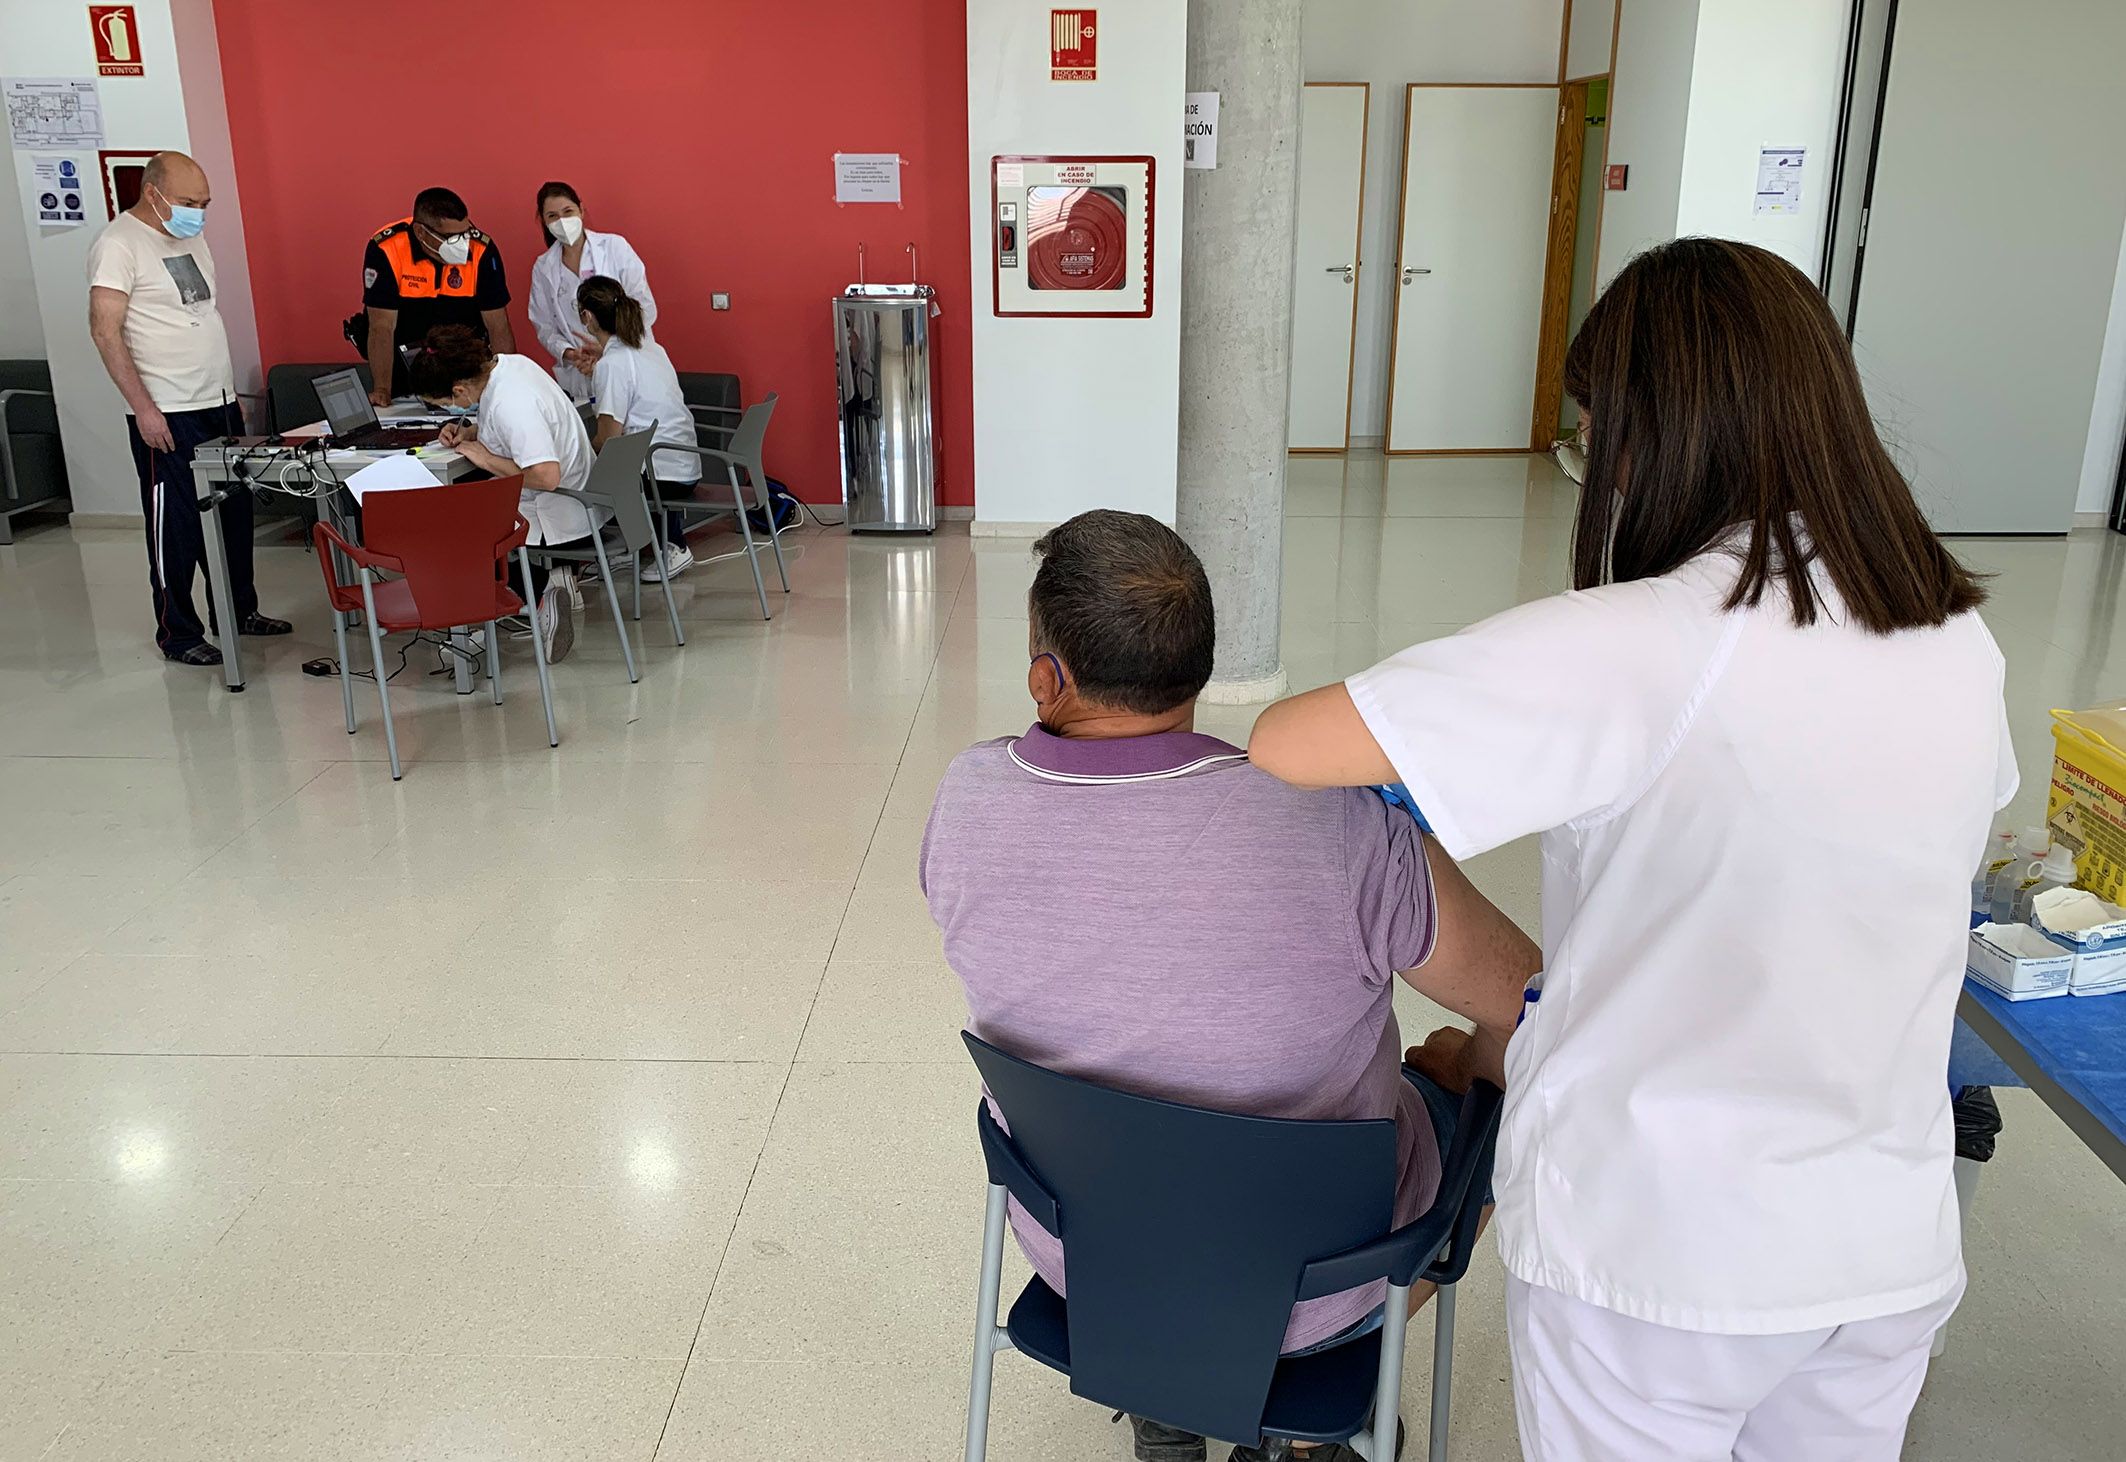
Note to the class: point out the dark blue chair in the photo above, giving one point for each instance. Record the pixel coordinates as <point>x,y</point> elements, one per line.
<point>1185,1257</point>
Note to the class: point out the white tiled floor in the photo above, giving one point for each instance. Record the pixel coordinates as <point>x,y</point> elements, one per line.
<point>605,1103</point>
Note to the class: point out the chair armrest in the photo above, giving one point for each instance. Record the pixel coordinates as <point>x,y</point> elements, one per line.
<point>1436,1244</point>
<point>324,533</point>
<point>509,543</point>
<point>1008,1169</point>
<point>706,453</point>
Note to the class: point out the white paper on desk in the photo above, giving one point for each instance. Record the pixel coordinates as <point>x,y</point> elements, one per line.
<point>391,474</point>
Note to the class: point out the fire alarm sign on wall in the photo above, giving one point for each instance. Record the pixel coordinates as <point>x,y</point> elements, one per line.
<point>1073,45</point>
<point>1071,236</point>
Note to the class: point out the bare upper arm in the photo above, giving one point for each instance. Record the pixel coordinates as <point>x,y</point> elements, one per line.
<point>543,476</point>
<point>1318,740</point>
<point>107,308</point>
<point>1481,961</point>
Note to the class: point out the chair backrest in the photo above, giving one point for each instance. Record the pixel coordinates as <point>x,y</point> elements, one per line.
<point>1184,1233</point>
<point>448,540</point>
<point>751,435</point>
<point>712,388</point>
<point>291,401</point>
<point>616,482</point>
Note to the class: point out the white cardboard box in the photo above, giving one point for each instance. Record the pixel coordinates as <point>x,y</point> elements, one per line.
<point>2016,962</point>
<point>2099,953</point>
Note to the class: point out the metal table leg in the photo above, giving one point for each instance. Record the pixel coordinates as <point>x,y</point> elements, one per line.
<point>461,659</point>
<point>211,496</point>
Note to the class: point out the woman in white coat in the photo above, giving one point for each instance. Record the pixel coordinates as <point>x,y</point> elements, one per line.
<point>1762,742</point>
<point>575,253</point>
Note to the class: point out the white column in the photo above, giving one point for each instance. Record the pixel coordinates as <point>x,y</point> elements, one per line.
<point>1238,232</point>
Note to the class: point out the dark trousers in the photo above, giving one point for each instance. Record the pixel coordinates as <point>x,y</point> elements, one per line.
<point>169,500</point>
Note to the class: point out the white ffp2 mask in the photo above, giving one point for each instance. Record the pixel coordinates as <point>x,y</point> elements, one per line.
<point>568,229</point>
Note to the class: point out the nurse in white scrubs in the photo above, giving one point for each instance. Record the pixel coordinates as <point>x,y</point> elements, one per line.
<point>1762,742</point>
<point>637,389</point>
<point>575,253</point>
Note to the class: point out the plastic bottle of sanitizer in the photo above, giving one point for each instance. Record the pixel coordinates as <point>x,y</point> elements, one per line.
<point>2054,870</point>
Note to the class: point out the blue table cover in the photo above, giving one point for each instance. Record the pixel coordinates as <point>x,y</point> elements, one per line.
<point>2080,1043</point>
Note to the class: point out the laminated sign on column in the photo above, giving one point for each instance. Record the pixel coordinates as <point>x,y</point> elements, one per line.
<point>1072,236</point>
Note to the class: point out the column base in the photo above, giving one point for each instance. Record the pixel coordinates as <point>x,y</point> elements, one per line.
<point>1247,692</point>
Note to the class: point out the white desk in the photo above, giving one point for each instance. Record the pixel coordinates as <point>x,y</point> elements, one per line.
<point>220,467</point>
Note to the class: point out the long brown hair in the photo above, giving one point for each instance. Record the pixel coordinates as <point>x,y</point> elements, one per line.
<point>612,307</point>
<point>1721,395</point>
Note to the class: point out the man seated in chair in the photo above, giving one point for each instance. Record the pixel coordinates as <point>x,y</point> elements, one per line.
<point>1128,901</point>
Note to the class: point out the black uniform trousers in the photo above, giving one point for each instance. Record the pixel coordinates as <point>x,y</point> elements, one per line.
<point>169,500</point>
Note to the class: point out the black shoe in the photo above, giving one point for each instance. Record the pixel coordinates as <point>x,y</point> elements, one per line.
<point>197,655</point>
<point>259,624</point>
<point>1157,1442</point>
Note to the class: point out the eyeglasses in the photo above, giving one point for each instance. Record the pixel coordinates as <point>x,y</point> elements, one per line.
<point>1572,457</point>
<point>442,238</point>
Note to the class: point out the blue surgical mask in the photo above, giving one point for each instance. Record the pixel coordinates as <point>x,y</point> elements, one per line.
<point>183,222</point>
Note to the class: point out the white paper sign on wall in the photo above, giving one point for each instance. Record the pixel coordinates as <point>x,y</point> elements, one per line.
<point>867,177</point>
<point>1779,179</point>
<point>1199,130</point>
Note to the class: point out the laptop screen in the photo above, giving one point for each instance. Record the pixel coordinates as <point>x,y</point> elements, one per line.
<point>345,402</point>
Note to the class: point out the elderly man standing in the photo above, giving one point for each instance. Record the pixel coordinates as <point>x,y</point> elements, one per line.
<point>153,318</point>
<point>1128,901</point>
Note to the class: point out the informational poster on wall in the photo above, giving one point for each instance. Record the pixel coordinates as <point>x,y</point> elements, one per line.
<point>867,177</point>
<point>1072,236</point>
<point>1199,130</point>
<point>55,197</point>
<point>1779,179</point>
<point>54,112</point>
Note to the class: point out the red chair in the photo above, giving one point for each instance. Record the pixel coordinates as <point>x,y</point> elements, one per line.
<point>446,543</point>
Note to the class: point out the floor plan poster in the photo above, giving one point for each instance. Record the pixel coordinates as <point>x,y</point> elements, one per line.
<point>56,112</point>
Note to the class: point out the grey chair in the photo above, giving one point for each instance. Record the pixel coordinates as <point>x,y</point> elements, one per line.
<point>32,464</point>
<point>740,458</point>
<point>616,487</point>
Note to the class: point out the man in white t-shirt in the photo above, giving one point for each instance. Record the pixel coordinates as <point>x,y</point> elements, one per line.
<point>154,321</point>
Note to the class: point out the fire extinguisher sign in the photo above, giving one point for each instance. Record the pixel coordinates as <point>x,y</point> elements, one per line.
<point>1073,45</point>
<point>117,40</point>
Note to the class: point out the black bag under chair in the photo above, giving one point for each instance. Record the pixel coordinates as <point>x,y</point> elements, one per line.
<point>1182,1278</point>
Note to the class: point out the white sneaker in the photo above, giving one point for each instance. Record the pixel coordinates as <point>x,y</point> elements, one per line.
<point>557,621</point>
<point>676,560</point>
<point>564,575</point>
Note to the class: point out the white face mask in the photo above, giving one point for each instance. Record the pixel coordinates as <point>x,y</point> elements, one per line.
<point>568,229</point>
<point>455,250</point>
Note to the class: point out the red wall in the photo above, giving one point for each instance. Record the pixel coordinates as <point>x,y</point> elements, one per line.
<point>704,132</point>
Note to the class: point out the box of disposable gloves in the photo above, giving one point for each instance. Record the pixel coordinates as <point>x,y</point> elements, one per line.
<point>2094,930</point>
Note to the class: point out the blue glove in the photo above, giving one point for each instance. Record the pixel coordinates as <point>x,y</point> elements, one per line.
<point>1395,794</point>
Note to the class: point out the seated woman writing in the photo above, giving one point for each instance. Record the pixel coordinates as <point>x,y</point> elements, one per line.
<point>527,425</point>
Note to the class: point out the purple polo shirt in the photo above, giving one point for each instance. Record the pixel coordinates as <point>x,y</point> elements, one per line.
<point>1154,914</point>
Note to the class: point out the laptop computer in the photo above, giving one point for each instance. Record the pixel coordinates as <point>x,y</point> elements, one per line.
<point>351,420</point>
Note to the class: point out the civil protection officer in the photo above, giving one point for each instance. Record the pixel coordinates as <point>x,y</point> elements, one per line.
<point>432,268</point>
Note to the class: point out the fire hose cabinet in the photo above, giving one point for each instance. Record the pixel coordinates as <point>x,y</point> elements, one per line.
<point>1071,236</point>
<point>882,366</point>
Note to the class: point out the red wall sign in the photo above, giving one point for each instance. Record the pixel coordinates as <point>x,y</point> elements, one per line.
<point>117,40</point>
<point>1073,45</point>
<point>1619,175</point>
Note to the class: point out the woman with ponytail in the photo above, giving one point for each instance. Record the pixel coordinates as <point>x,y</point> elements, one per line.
<point>635,387</point>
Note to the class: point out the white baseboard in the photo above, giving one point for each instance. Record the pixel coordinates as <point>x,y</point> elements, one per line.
<point>956,514</point>
<point>991,528</point>
<point>1367,444</point>
<point>2092,520</point>
<point>105,520</point>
